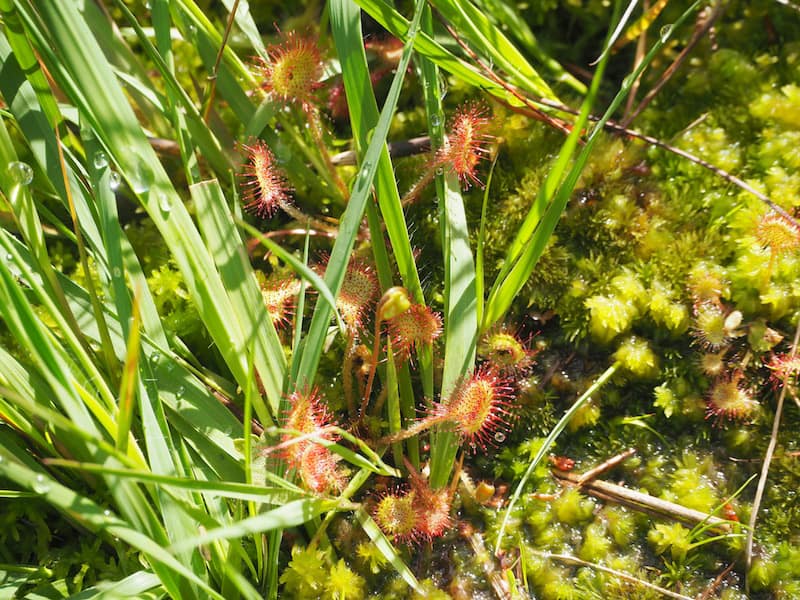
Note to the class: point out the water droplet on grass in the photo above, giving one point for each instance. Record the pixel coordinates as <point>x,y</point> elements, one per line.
<point>114,180</point>
<point>665,32</point>
<point>100,160</point>
<point>164,203</point>
<point>40,486</point>
<point>436,120</point>
<point>20,172</point>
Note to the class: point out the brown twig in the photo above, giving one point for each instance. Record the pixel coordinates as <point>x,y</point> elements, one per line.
<point>641,48</point>
<point>641,501</point>
<point>716,583</point>
<point>762,480</point>
<point>606,466</point>
<point>487,562</point>
<point>733,179</point>
<point>417,145</point>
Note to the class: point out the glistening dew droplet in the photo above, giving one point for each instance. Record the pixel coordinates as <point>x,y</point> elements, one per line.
<point>114,180</point>
<point>665,32</point>
<point>500,437</point>
<point>164,203</point>
<point>436,120</point>
<point>100,160</point>
<point>40,486</point>
<point>20,172</point>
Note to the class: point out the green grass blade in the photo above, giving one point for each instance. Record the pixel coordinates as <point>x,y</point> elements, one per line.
<point>425,45</point>
<point>487,40</point>
<point>460,306</point>
<point>128,382</point>
<point>548,442</point>
<point>387,549</point>
<point>97,519</point>
<point>278,494</point>
<point>228,252</point>
<point>364,117</point>
<point>532,237</point>
<point>81,65</point>
<point>506,14</point>
<point>344,21</point>
<point>292,514</point>
<point>480,270</point>
<point>461,320</point>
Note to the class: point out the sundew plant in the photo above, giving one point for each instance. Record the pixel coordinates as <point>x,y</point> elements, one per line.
<point>349,299</point>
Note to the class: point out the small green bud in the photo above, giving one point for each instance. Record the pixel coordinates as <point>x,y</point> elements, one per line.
<point>395,301</point>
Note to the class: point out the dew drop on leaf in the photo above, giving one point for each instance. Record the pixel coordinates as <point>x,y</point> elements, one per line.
<point>20,172</point>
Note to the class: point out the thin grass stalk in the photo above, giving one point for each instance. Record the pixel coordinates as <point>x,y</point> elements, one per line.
<point>548,442</point>
<point>129,380</point>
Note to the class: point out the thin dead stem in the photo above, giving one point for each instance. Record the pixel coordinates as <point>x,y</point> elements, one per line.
<point>573,560</point>
<point>213,77</point>
<point>705,21</point>
<point>762,480</point>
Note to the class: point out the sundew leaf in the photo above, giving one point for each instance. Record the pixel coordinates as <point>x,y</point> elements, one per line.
<point>299,267</point>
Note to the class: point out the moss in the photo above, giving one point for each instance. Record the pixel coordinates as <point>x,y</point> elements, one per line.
<point>637,358</point>
<point>620,524</point>
<point>572,507</point>
<point>586,416</point>
<point>596,543</point>
<point>610,316</point>
<point>670,537</point>
<point>763,574</point>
